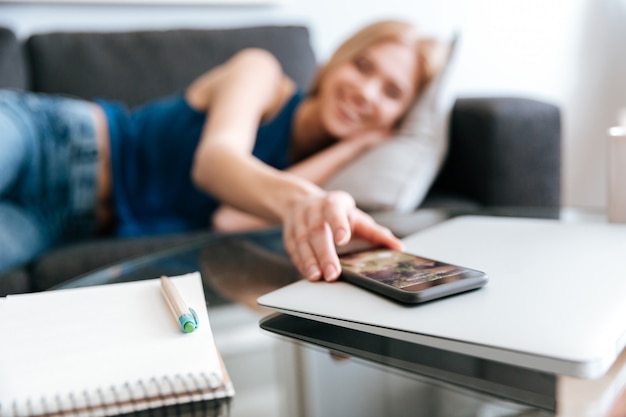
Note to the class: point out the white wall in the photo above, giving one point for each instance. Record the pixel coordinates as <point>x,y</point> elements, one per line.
<point>569,52</point>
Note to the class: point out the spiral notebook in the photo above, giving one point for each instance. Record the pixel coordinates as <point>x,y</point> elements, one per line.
<point>108,350</point>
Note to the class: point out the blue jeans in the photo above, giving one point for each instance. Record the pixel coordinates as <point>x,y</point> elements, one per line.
<point>48,169</point>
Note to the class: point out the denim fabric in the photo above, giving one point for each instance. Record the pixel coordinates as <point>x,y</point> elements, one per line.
<point>48,168</point>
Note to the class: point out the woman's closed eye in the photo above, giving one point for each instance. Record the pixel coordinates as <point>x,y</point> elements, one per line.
<point>367,67</point>
<point>363,65</point>
<point>392,91</point>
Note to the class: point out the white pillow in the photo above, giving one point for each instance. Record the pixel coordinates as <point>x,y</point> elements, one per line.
<point>395,175</point>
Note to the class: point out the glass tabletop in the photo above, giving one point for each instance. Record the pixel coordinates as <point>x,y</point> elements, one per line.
<point>272,373</point>
<point>263,251</point>
<point>232,266</point>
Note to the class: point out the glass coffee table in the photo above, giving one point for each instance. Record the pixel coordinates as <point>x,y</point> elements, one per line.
<point>296,367</point>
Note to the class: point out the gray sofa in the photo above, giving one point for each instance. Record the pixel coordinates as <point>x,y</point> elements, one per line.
<point>504,151</point>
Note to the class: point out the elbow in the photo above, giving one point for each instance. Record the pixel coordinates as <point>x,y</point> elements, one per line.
<point>197,175</point>
<point>257,58</point>
<point>203,171</point>
<point>210,162</point>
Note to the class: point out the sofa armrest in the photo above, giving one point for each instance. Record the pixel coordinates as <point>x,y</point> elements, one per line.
<point>504,152</point>
<point>13,68</point>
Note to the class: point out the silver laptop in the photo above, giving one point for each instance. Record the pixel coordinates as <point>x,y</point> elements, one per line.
<point>555,302</point>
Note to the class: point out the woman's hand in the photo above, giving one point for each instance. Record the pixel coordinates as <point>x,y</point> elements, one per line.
<point>314,226</point>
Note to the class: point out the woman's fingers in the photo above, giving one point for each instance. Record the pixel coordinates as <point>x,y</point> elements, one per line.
<point>325,253</point>
<point>334,213</point>
<point>364,227</point>
<point>308,238</point>
<point>316,225</point>
<point>336,210</point>
<point>296,240</point>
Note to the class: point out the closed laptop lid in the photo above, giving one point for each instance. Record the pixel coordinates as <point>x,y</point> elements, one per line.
<point>554,302</point>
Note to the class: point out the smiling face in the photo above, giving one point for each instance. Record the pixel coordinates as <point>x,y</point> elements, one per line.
<point>370,91</point>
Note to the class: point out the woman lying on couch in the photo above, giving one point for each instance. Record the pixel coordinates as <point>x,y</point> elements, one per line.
<point>240,136</point>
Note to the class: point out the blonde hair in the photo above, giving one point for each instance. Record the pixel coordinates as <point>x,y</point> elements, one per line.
<point>430,52</point>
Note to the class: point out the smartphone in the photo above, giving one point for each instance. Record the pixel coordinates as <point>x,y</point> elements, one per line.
<point>408,278</point>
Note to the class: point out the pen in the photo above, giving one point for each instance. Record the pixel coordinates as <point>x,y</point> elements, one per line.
<point>186,317</point>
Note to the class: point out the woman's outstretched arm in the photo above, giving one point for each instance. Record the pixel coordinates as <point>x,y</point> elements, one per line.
<point>318,168</point>
<point>238,95</point>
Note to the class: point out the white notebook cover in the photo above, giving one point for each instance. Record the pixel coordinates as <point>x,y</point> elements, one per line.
<point>555,302</point>
<point>106,350</point>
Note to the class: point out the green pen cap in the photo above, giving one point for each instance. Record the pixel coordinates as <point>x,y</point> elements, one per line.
<point>188,322</point>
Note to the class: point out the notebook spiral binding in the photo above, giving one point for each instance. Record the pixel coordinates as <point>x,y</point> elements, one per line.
<point>191,395</point>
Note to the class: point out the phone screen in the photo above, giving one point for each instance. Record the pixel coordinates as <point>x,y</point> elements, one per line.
<point>402,270</point>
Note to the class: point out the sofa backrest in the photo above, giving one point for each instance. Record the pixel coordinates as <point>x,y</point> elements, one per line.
<point>136,66</point>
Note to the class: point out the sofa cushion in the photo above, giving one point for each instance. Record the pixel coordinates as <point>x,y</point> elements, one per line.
<point>134,67</point>
<point>13,73</point>
<point>397,174</point>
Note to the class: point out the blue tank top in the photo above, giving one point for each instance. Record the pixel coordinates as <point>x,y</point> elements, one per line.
<point>152,151</point>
